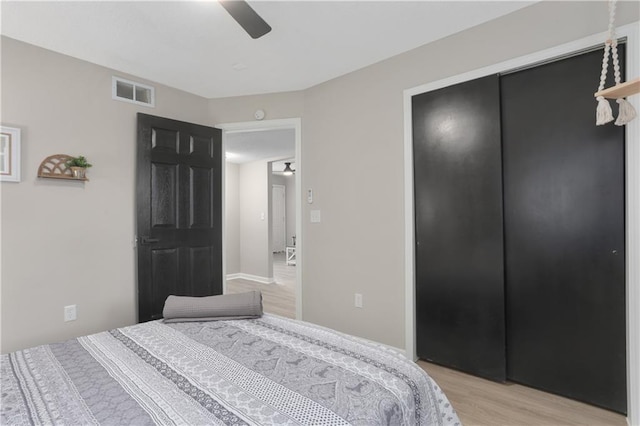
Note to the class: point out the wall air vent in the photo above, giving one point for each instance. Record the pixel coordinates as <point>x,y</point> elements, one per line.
<point>130,91</point>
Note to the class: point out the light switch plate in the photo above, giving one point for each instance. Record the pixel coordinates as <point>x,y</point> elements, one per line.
<point>70,313</point>
<point>358,300</point>
<point>315,216</point>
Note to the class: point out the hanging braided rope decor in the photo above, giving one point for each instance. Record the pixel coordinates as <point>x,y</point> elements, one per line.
<point>626,112</point>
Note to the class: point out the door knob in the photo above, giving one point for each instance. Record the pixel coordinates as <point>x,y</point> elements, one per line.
<point>147,240</point>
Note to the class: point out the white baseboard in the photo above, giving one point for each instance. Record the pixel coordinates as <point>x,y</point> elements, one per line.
<point>256,278</point>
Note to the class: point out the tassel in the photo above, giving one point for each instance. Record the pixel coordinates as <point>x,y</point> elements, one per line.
<point>603,112</point>
<point>626,112</point>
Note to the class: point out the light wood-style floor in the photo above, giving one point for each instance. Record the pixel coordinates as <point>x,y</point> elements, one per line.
<point>482,402</point>
<point>477,401</point>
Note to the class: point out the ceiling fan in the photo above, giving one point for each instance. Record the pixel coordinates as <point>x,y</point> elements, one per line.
<point>248,19</point>
<point>288,171</point>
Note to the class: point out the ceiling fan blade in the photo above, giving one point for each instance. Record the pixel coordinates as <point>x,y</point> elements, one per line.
<point>248,19</point>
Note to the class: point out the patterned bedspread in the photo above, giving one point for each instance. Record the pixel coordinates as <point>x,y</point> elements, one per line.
<point>268,371</point>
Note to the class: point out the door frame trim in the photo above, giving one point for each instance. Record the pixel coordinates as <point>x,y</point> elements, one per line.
<point>632,154</point>
<point>256,126</point>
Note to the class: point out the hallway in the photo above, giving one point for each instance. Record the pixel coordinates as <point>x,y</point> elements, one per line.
<point>278,298</point>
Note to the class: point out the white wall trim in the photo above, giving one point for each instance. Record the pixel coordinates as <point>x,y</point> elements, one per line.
<point>257,126</point>
<point>633,233</point>
<point>256,278</point>
<point>632,33</point>
<point>285,123</point>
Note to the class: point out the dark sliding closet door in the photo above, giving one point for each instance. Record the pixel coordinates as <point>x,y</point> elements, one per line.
<point>458,218</point>
<point>564,234</point>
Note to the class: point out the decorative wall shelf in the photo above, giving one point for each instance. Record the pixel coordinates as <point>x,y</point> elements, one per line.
<point>621,90</point>
<point>55,167</point>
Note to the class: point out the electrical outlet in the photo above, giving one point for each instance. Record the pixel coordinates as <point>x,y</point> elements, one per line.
<point>358,300</point>
<point>70,313</point>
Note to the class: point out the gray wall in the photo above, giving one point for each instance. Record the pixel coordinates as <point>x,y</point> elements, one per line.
<point>248,195</point>
<point>352,152</point>
<point>255,201</point>
<point>66,242</point>
<point>289,182</point>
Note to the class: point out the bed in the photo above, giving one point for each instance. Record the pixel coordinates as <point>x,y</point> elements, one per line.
<point>264,371</point>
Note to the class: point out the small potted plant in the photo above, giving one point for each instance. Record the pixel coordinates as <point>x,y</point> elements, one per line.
<point>78,166</point>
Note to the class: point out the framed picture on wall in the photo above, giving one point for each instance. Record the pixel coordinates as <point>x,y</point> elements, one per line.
<point>9,154</point>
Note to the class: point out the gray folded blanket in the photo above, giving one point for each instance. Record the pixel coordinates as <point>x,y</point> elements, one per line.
<point>213,308</point>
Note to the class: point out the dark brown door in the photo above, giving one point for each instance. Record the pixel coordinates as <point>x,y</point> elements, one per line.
<point>458,222</point>
<point>179,219</point>
<point>565,234</point>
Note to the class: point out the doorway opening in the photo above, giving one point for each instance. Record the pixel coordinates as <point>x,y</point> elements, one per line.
<point>262,208</point>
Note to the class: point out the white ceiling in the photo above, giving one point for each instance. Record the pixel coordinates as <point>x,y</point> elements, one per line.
<point>243,147</point>
<point>197,47</point>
